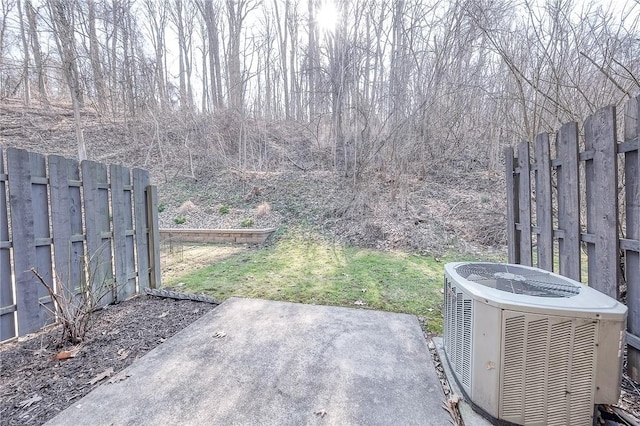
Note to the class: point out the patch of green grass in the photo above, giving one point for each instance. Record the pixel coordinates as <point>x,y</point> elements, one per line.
<point>224,209</point>
<point>306,268</point>
<point>246,223</point>
<point>181,220</point>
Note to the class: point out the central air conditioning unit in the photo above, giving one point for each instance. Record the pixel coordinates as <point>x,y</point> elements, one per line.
<point>531,347</point>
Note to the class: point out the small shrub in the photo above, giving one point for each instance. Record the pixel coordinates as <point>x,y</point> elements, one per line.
<point>161,208</point>
<point>180,220</point>
<point>484,199</point>
<point>263,209</point>
<point>246,223</point>
<point>224,209</point>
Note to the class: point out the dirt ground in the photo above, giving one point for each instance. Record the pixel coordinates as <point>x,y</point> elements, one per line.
<point>34,386</point>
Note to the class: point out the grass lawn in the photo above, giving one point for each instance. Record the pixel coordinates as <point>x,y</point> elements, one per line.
<point>304,267</point>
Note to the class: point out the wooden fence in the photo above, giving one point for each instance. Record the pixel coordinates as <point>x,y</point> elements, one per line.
<point>73,223</point>
<point>586,198</point>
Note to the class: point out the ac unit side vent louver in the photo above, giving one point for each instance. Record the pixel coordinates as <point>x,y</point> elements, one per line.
<point>459,323</point>
<point>537,349</point>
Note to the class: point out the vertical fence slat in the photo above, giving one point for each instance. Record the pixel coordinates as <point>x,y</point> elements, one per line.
<point>632,258</point>
<point>140,183</point>
<point>602,191</point>
<point>569,201</point>
<point>27,286</point>
<point>7,304</point>
<point>41,231</point>
<point>66,220</point>
<point>96,204</point>
<point>543,202</point>
<point>513,238</point>
<point>120,177</point>
<point>154,237</point>
<point>524,203</point>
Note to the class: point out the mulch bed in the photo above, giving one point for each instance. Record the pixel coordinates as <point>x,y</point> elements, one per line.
<point>35,386</point>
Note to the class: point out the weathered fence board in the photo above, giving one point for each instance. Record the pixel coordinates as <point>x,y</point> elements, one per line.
<point>543,202</point>
<point>568,201</point>
<point>66,222</point>
<point>524,203</point>
<point>154,236</point>
<point>597,226</point>
<point>602,201</point>
<point>7,304</point>
<point>75,224</point>
<point>96,205</point>
<point>31,316</point>
<point>513,235</point>
<point>140,183</point>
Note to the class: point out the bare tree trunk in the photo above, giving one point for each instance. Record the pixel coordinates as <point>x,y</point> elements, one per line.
<point>25,58</point>
<point>61,13</point>
<point>94,54</point>
<point>37,52</point>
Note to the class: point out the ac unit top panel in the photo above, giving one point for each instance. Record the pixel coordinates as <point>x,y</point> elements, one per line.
<point>531,289</point>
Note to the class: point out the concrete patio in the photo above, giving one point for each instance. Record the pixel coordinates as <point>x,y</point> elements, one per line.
<point>258,362</point>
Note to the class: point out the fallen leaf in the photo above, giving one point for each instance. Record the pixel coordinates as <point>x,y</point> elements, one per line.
<point>66,354</point>
<point>123,354</point>
<point>106,373</point>
<point>123,375</point>
<point>359,303</point>
<point>220,334</point>
<point>164,314</point>
<point>320,413</point>
<point>29,402</point>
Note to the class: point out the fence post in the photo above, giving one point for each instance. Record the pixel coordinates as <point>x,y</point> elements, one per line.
<point>602,200</point>
<point>569,201</point>
<point>543,202</point>
<point>513,238</point>
<point>632,258</point>
<point>524,192</point>
<point>140,183</point>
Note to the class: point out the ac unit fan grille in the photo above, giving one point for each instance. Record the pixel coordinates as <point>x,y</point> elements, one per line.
<point>517,280</point>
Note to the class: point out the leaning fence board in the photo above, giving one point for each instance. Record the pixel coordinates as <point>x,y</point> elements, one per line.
<point>632,257</point>
<point>602,186</point>
<point>31,316</point>
<point>122,221</point>
<point>524,203</point>
<point>7,303</point>
<point>154,236</point>
<point>568,201</point>
<point>140,183</point>
<point>96,199</point>
<point>543,202</point>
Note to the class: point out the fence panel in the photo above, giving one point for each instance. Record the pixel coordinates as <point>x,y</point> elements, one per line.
<point>71,222</point>
<point>7,304</point>
<point>601,227</point>
<point>632,204</point>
